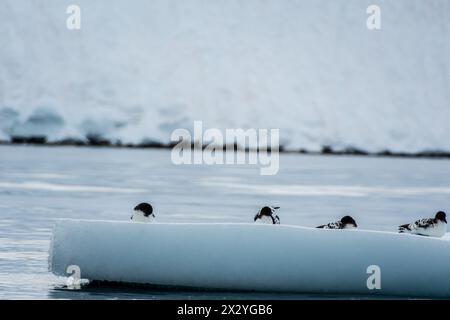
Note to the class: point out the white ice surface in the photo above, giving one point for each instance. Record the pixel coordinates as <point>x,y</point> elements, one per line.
<point>138,70</point>
<point>252,257</point>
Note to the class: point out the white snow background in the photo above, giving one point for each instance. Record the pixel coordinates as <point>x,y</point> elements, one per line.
<point>139,69</point>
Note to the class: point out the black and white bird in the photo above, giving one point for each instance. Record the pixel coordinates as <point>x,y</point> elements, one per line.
<point>432,227</point>
<point>346,222</point>
<point>267,215</point>
<point>143,213</point>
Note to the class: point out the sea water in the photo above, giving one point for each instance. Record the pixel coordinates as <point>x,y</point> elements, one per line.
<point>41,184</point>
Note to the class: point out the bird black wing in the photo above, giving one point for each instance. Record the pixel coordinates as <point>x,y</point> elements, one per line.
<point>419,224</point>
<point>275,219</point>
<point>332,225</point>
<point>424,223</point>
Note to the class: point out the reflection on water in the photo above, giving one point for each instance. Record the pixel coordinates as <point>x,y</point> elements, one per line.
<point>40,184</point>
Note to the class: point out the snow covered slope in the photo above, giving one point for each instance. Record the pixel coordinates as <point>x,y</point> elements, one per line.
<point>137,70</point>
<point>253,257</point>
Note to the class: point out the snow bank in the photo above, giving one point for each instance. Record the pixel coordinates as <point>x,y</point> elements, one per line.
<point>252,257</point>
<point>137,71</point>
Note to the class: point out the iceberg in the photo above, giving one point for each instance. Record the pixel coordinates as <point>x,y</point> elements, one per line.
<point>252,257</point>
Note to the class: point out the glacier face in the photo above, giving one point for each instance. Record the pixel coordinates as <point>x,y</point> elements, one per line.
<point>138,70</point>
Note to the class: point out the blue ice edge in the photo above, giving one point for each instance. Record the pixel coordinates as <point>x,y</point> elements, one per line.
<point>252,257</point>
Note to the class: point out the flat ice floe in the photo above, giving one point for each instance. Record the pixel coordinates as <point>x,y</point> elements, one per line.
<point>276,258</point>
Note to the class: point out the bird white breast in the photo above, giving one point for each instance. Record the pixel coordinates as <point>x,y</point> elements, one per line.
<point>138,216</point>
<point>434,230</point>
<point>264,220</point>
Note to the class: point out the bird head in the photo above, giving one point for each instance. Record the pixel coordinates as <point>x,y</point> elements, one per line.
<point>347,220</point>
<point>441,216</point>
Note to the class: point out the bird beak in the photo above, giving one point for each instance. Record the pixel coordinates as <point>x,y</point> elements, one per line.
<point>445,220</point>
<point>131,218</point>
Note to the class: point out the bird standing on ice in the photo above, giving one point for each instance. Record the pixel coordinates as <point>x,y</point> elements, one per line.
<point>143,213</point>
<point>346,222</point>
<point>432,227</point>
<point>267,215</point>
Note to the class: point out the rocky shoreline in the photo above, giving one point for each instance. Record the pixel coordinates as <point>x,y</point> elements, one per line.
<point>326,150</point>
